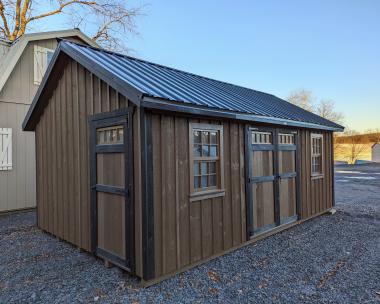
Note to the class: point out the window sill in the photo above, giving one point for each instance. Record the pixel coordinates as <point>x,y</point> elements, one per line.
<point>317,176</point>
<point>198,196</point>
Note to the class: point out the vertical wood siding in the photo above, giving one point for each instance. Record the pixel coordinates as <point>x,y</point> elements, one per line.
<point>187,232</point>
<point>63,171</point>
<point>316,194</point>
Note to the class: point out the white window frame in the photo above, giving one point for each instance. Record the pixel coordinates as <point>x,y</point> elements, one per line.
<point>40,56</point>
<point>6,149</point>
<point>321,172</point>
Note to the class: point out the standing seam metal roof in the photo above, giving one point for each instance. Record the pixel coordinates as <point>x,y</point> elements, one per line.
<point>167,83</point>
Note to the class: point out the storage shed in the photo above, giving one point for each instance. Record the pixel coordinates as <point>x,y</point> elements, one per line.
<point>375,151</point>
<point>157,170</point>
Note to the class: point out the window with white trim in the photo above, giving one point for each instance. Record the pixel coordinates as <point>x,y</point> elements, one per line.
<point>42,58</point>
<point>316,154</point>
<point>5,149</point>
<point>206,145</point>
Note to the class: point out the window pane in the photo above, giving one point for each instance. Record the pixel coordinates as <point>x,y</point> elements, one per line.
<point>213,151</point>
<point>110,135</point>
<point>205,137</point>
<point>204,182</point>
<point>196,168</point>
<point>204,168</point>
<point>197,137</point>
<point>211,167</point>
<point>120,135</point>
<point>196,182</point>
<point>213,136</point>
<point>212,180</point>
<point>197,150</point>
<point>100,137</point>
<point>205,150</point>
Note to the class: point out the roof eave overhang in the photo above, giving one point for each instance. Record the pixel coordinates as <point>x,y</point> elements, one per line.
<point>121,86</point>
<point>167,105</point>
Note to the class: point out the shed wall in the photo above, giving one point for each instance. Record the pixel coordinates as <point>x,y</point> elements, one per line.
<point>17,186</point>
<point>187,232</point>
<point>316,193</point>
<point>63,166</point>
<point>376,153</point>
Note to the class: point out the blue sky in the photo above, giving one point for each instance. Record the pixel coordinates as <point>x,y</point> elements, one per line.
<point>329,47</point>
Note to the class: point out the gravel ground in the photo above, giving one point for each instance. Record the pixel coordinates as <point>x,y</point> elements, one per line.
<point>330,259</point>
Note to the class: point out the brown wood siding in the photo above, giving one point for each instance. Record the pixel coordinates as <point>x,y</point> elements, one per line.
<point>316,193</point>
<point>187,232</point>
<point>62,149</point>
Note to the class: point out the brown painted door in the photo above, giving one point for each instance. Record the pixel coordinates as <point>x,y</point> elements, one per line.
<point>262,181</point>
<point>287,175</point>
<point>272,179</point>
<point>112,205</point>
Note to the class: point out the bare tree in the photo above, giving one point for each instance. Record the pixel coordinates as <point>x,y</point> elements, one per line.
<point>374,135</point>
<point>338,146</point>
<point>355,146</point>
<point>303,99</point>
<point>108,19</point>
<point>324,108</point>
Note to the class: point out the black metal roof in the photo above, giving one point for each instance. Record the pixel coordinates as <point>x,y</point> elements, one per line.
<point>190,90</point>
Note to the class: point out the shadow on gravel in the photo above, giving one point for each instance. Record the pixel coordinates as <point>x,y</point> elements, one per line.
<point>330,259</point>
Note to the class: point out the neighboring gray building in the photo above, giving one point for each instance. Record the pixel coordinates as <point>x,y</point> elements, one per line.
<point>22,66</point>
<point>376,152</point>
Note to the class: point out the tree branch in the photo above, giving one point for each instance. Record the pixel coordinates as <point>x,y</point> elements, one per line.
<point>59,10</point>
<point>24,20</point>
<point>5,23</point>
<point>17,21</point>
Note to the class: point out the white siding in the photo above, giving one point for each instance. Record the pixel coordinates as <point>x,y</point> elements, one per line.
<point>376,153</point>
<point>17,186</point>
<point>4,48</point>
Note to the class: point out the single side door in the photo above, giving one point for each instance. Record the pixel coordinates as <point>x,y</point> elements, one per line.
<point>111,188</point>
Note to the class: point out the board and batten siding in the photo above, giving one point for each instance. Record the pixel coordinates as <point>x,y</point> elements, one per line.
<point>316,193</point>
<point>63,166</point>
<point>187,232</point>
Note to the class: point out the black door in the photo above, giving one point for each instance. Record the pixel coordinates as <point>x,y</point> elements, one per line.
<point>272,183</point>
<point>111,188</point>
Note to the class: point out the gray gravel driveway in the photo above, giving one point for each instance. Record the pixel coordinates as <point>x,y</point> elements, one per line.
<point>330,259</point>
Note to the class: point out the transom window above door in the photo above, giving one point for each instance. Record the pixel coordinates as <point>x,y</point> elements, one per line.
<point>206,144</point>
<point>286,139</point>
<point>110,135</point>
<point>262,138</point>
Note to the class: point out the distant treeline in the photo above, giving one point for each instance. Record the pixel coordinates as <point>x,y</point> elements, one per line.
<point>360,138</point>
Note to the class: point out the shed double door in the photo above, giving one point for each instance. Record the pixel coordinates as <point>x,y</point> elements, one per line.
<point>111,188</point>
<point>272,184</point>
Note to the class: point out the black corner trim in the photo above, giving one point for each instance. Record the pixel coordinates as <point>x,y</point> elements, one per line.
<point>147,195</point>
